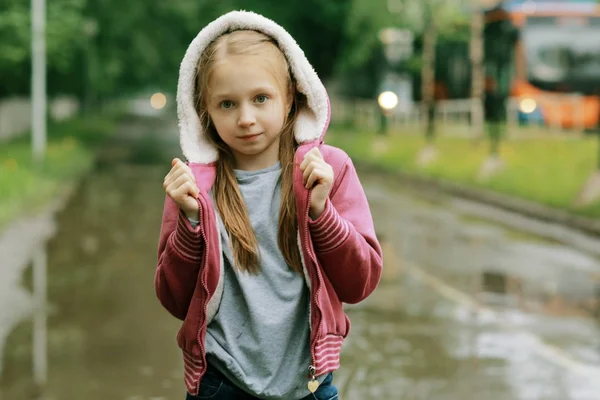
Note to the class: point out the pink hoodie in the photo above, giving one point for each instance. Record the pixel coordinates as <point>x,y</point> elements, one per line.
<point>340,253</point>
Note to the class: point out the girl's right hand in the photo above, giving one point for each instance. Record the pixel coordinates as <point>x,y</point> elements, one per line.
<point>180,185</point>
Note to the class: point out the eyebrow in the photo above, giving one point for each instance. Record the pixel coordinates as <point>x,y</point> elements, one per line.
<point>257,90</point>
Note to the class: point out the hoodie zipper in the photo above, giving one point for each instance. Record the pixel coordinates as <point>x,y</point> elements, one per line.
<point>312,367</point>
<point>204,286</point>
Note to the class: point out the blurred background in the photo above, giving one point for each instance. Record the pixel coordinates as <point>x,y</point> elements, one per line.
<point>474,128</point>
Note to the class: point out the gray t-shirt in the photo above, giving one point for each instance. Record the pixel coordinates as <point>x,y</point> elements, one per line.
<point>259,338</point>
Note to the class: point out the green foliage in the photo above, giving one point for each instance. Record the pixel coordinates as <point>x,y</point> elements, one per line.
<point>317,26</point>
<point>366,19</point>
<point>362,62</point>
<point>139,45</point>
<point>25,187</point>
<point>63,41</point>
<point>15,33</point>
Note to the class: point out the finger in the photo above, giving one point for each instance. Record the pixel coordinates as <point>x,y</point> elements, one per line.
<point>169,176</point>
<point>179,165</point>
<point>194,191</point>
<point>180,162</point>
<point>317,163</point>
<point>307,160</point>
<point>317,153</point>
<point>312,154</point>
<point>186,169</point>
<point>172,176</point>
<point>176,166</point>
<point>190,182</point>
<point>180,193</point>
<point>174,186</point>
<point>187,189</point>
<point>191,175</point>
<point>306,173</point>
<point>314,177</point>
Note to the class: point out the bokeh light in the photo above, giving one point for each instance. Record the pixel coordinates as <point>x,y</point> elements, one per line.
<point>158,101</point>
<point>527,105</point>
<point>387,100</point>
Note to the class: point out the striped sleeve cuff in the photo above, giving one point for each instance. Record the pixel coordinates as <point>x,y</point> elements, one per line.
<point>329,230</point>
<point>187,239</point>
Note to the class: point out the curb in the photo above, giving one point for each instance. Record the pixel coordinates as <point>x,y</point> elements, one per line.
<point>590,226</point>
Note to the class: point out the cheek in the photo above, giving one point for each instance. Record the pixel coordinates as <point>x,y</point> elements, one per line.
<point>277,114</point>
<point>221,123</point>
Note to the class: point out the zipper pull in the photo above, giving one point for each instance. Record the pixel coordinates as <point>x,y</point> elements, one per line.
<point>313,384</point>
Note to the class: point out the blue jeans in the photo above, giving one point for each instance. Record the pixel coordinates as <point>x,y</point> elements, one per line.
<point>216,386</point>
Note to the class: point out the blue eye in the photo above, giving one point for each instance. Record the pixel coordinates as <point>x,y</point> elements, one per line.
<point>261,99</point>
<point>226,104</point>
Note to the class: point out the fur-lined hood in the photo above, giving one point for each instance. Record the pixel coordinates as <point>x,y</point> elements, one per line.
<point>312,121</point>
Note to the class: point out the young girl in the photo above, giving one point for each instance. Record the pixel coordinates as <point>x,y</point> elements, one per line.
<point>266,231</point>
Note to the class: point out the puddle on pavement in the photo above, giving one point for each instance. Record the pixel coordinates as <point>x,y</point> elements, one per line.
<point>109,338</point>
<point>107,335</point>
<point>539,299</point>
<point>546,276</point>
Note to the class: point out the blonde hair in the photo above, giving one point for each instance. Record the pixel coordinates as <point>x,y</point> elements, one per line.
<point>228,199</point>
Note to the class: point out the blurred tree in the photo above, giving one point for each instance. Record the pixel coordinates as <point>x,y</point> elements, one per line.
<point>477,53</point>
<point>318,26</point>
<point>138,46</point>
<point>63,41</point>
<point>103,48</point>
<point>428,97</point>
<point>362,62</point>
<point>432,19</point>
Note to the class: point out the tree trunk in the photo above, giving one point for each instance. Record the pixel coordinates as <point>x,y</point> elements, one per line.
<point>477,73</point>
<point>428,79</point>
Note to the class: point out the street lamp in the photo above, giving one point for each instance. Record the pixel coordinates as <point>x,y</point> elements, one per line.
<point>395,87</point>
<point>90,31</point>
<point>38,79</point>
<point>387,101</point>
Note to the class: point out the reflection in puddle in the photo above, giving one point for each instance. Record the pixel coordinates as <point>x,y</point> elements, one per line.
<point>23,246</point>
<point>107,336</point>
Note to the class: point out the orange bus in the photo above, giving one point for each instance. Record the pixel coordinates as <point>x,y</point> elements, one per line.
<point>546,54</point>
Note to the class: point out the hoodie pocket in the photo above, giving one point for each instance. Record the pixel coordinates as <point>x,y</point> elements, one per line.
<point>187,337</point>
<point>335,321</point>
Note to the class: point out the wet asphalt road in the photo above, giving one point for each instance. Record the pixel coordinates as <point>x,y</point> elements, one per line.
<point>466,309</point>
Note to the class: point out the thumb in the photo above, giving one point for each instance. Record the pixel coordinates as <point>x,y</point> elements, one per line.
<point>174,161</point>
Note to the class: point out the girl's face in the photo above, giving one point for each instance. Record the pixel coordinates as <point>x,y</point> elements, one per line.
<point>247,106</point>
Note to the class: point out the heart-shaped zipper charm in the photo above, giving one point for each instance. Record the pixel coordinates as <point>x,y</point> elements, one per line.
<point>313,385</point>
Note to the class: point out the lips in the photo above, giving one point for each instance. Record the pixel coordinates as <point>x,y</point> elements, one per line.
<point>250,137</point>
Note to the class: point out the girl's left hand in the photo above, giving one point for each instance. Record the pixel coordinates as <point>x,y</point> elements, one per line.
<point>318,175</point>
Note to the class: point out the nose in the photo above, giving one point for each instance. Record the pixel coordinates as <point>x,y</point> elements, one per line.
<point>246,117</point>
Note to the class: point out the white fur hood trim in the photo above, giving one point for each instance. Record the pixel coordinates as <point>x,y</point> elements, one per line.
<point>311,123</point>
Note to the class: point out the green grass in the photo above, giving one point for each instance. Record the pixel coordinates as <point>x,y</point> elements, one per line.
<point>550,171</point>
<point>26,187</point>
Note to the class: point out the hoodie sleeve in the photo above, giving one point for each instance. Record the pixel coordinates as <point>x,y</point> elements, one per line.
<point>180,252</point>
<point>345,242</point>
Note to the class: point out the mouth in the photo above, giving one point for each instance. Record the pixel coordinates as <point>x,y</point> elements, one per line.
<point>250,137</point>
